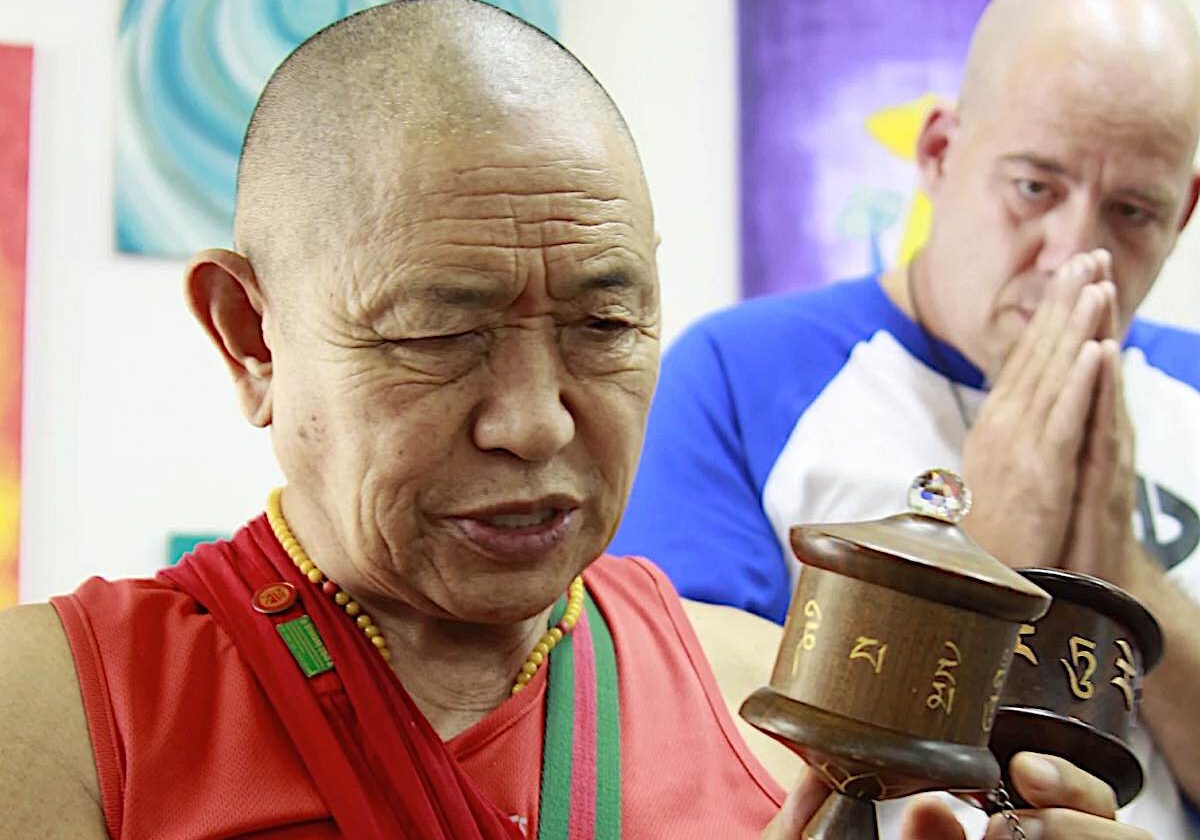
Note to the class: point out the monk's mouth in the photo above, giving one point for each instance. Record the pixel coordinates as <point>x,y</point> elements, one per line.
<point>522,533</point>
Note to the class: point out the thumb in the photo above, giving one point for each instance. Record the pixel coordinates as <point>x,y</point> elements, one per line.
<point>928,818</point>
<point>801,803</point>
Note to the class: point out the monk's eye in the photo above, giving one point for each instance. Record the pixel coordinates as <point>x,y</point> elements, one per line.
<point>434,343</point>
<point>605,328</point>
<point>599,344</point>
<point>436,357</point>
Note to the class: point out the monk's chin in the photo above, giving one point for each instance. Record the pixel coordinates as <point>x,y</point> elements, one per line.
<point>504,594</point>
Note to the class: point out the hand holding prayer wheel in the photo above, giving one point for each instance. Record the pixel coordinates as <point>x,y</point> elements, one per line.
<point>895,652</point>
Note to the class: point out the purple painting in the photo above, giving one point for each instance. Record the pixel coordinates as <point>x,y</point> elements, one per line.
<point>833,93</point>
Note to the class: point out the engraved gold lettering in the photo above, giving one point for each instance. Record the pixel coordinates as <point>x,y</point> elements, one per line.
<point>808,639</point>
<point>812,610</point>
<point>1023,650</point>
<point>1128,676</point>
<point>945,684</point>
<point>1081,667</point>
<point>870,650</point>
<point>993,702</point>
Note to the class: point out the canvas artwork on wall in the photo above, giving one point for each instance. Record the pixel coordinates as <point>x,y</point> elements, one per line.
<point>16,73</point>
<point>833,94</point>
<point>189,73</point>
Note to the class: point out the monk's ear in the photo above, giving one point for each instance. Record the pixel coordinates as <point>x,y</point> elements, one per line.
<point>224,295</point>
<point>933,144</point>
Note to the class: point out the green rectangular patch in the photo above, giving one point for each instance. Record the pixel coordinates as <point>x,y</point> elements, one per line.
<point>306,646</point>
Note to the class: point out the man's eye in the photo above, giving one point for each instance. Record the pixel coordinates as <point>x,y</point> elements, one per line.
<point>1028,188</point>
<point>1133,214</point>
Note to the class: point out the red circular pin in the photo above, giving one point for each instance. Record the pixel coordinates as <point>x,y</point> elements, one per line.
<point>274,598</point>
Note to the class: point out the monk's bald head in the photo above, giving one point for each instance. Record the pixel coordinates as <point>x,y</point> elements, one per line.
<point>1023,44</point>
<point>369,96</point>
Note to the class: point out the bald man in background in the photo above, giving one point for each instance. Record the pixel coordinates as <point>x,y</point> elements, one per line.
<point>1008,350</point>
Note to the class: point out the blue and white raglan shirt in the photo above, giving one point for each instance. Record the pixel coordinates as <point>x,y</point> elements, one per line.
<point>822,406</point>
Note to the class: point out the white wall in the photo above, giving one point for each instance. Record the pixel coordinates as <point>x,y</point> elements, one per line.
<point>131,429</point>
<point>671,66</point>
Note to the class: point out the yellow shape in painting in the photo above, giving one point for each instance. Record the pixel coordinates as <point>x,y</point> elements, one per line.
<point>10,489</point>
<point>916,227</point>
<point>897,129</point>
<point>10,486</point>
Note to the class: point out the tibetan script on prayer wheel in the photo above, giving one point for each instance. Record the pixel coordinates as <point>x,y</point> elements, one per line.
<point>895,660</point>
<point>897,645</point>
<point>1076,679</point>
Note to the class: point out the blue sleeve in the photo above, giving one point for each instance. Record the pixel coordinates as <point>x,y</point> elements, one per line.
<point>695,508</point>
<point>1174,351</point>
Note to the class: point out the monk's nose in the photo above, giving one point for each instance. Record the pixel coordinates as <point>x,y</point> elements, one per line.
<point>523,411</point>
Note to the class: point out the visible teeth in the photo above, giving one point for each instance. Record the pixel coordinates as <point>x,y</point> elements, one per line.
<point>520,520</point>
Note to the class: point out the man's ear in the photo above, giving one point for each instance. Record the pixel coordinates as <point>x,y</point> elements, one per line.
<point>224,295</point>
<point>1190,205</point>
<point>933,144</point>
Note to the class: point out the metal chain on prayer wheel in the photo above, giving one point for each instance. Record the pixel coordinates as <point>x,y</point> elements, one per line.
<point>1075,680</point>
<point>894,656</point>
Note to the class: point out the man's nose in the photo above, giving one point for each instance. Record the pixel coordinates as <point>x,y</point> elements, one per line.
<point>1070,228</point>
<point>523,411</point>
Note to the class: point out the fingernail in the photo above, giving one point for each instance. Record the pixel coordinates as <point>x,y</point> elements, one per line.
<point>1039,772</point>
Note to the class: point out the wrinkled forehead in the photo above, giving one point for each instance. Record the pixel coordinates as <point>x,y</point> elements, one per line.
<point>514,162</point>
<point>485,214</point>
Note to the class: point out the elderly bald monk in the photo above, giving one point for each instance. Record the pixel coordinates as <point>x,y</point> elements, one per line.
<point>1008,349</point>
<point>444,303</point>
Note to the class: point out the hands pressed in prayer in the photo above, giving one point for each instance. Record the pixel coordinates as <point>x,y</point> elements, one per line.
<point>1100,540</point>
<point>1050,457</point>
<point>1070,805</point>
<point>1051,465</point>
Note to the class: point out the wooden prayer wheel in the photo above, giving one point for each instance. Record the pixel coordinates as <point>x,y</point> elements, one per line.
<point>1075,680</point>
<point>897,644</point>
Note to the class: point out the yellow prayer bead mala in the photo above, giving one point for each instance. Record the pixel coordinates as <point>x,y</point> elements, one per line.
<point>300,558</point>
<point>552,636</point>
<point>309,569</point>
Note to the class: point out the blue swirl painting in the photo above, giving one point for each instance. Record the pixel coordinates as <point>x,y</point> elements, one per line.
<point>190,72</point>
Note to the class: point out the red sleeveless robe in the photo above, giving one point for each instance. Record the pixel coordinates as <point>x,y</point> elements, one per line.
<point>189,745</point>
